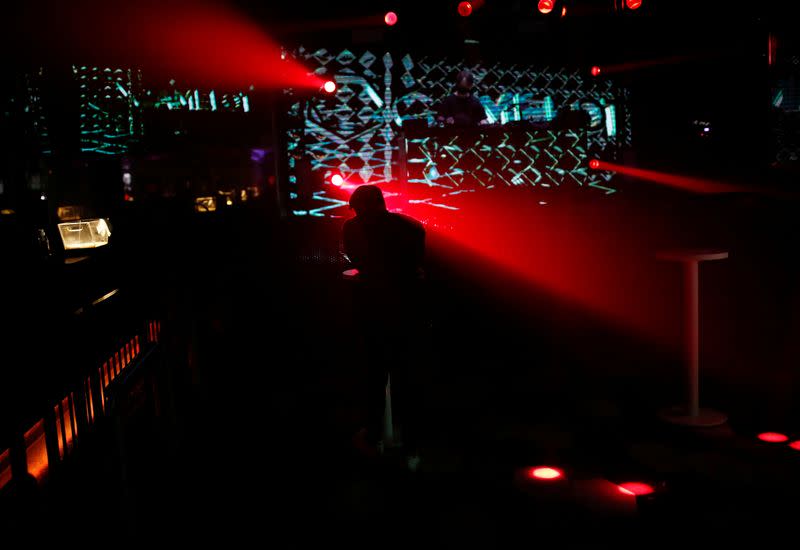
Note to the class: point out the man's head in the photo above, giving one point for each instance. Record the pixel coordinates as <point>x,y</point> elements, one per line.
<point>464,83</point>
<point>367,199</point>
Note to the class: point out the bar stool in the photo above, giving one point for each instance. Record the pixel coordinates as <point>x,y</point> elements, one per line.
<point>691,414</point>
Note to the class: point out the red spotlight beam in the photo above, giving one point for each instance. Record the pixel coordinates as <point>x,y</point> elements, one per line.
<point>661,61</point>
<point>199,41</point>
<point>686,183</point>
<point>333,24</point>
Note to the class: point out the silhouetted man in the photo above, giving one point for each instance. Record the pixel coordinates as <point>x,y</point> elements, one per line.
<point>461,108</point>
<point>388,250</point>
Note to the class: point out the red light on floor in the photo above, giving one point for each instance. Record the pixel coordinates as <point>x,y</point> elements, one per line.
<point>330,86</point>
<point>635,488</point>
<point>337,180</point>
<point>464,9</point>
<point>772,437</point>
<point>633,4</point>
<point>390,18</point>
<point>595,70</point>
<point>546,6</point>
<point>594,164</point>
<point>545,473</point>
<point>795,445</point>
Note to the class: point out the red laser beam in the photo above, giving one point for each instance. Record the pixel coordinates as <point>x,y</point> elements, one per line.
<point>686,183</point>
<point>199,42</point>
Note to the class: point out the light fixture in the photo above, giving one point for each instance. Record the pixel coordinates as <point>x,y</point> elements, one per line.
<point>546,6</point>
<point>84,233</point>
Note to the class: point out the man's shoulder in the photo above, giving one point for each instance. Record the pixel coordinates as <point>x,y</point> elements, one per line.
<point>407,220</point>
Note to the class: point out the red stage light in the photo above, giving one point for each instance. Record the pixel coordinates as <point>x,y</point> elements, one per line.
<point>546,6</point>
<point>595,70</point>
<point>330,86</point>
<point>772,437</point>
<point>546,473</point>
<point>390,18</point>
<point>464,9</point>
<point>594,164</point>
<point>795,445</point>
<point>633,4</point>
<point>337,180</point>
<point>563,11</point>
<point>635,488</point>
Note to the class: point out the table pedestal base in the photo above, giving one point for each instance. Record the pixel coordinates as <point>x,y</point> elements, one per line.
<point>680,415</point>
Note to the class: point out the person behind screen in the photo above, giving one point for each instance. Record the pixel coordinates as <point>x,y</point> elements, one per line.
<point>388,251</point>
<point>462,108</point>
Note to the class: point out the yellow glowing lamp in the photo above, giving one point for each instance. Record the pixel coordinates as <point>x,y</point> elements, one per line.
<point>84,234</point>
<point>205,204</point>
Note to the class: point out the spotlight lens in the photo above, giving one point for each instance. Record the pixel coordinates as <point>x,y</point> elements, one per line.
<point>464,9</point>
<point>390,18</point>
<point>337,180</point>
<point>635,488</point>
<point>595,70</point>
<point>545,6</point>
<point>594,164</point>
<point>545,472</point>
<point>772,437</point>
<point>633,4</point>
<point>330,86</point>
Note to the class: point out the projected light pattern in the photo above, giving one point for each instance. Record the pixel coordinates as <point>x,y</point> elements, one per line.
<point>109,108</point>
<point>356,131</point>
<point>542,158</point>
<point>111,101</point>
<point>202,100</point>
<point>33,107</point>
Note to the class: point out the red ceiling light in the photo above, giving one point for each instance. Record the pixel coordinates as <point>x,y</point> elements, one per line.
<point>545,473</point>
<point>633,4</point>
<point>795,445</point>
<point>595,70</point>
<point>635,488</point>
<point>563,11</point>
<point>464,9</point>
<point>390,18</point>
<point>772,437</point>
<point>594,164</point>
<point>329,86</point>
<point>546,6</point>
<point>337,180</point>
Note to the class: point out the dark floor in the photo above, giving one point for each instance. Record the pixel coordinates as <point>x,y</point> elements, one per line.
<point>271,393</point>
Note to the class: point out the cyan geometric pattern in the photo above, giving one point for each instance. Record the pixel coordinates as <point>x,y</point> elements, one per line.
<point>109,108</point>
<point>356,130</point>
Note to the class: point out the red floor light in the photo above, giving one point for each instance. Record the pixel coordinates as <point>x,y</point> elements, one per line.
<point>545,473</point>
<point>464,9</point>
<point>337,180</point>
<point>635,488</point>
<point>795,445</point>
<point>772,437</point>
<point>329,86</point>
<point>546,6</point>
<point>390,18</point>
<point>594,164</point>
<point>633,4</point>
<point>595,70</point>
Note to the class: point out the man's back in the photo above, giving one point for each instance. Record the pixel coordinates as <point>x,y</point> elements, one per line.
<point>384,246</point>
